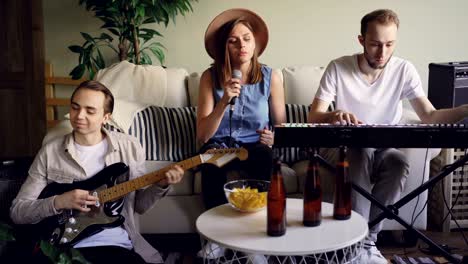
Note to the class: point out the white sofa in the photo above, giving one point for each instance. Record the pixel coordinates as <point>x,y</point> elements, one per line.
<point>178,211</point>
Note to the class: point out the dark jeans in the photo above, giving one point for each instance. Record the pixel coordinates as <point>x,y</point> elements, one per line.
<point>258,166</point>
<point>103,254</point>
<point>111,254</point>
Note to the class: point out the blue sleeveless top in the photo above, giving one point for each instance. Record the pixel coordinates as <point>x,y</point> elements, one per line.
<point>251,111</point>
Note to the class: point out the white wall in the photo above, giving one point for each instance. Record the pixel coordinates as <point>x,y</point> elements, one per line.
<point>301,31</point>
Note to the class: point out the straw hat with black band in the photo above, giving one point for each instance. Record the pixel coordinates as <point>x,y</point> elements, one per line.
<point>260,29</point>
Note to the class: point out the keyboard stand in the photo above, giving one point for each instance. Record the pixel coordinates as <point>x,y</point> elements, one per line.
<point>391,211</point>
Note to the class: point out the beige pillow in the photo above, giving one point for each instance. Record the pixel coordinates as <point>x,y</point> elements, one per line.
<point>193,83</point>
<point>301,83</point>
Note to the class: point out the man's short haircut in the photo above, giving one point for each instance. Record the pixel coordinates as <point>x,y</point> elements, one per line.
<point>382,16</point>
<point>97,86</point>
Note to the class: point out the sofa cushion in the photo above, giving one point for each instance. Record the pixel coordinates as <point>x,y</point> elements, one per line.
<point>176,95</point>
<point>166,134</point>
<point>192,84</point>
<point>139,83</point>
<point>148,84</point>
<point>301,83</point>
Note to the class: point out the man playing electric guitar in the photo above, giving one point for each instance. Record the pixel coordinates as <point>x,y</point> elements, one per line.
<point>78,156</point>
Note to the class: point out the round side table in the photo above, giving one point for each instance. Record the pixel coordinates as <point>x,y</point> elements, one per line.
<point>244,234</point>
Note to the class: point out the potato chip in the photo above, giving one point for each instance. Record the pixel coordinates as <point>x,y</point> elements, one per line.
<point>247,199</point>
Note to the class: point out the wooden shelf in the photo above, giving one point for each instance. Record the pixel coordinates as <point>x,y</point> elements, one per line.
<point>52,103</point>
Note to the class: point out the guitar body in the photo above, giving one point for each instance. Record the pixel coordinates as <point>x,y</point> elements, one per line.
<point>110,185</point>
<point>71,226</point>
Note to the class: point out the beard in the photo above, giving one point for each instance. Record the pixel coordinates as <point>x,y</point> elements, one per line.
<point>372,63</point>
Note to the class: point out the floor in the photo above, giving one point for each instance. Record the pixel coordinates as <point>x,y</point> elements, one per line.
<point>452,241</point>
<point>391,244</point>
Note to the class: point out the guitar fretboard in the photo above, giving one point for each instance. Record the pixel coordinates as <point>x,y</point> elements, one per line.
<point>122,189</point>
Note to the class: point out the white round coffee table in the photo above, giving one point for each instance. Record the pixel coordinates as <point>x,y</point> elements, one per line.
<point>244,234</point>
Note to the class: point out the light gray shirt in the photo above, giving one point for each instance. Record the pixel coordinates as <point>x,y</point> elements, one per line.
<point>57,162</point>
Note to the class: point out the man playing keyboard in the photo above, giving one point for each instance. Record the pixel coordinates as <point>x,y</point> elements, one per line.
<point>369,88</point>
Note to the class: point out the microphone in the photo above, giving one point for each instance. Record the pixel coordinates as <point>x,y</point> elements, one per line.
<point>236,74</point>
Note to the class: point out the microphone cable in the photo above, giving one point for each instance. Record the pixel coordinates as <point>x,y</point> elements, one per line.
<point>230,127</point>
<point>238,75</point>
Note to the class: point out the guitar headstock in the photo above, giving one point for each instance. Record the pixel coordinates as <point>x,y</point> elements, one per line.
<point>220,157</point>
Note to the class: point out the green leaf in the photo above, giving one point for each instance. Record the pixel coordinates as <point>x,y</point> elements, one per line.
<point>106,36</point>
<point>113,9</point>
<point>75,49</point>
<point>103,13</point>
<point>99,61</point>
<point>64,258</point>
<point>109,24</point>
<point>87,54</point>
<point>49,250</point>
<point>145,58</point>
<point>146,37</point>
<point>91,74</point>
<point>114,31</point>
<point>77,257</point>
<point>87,36</point>
<point>77,72</point>
<point>157,45</point>
<point>149,20</point>
<point>6,233</point>
<point>150,31</point>
<point>140,11</point>
<point>158,53</point>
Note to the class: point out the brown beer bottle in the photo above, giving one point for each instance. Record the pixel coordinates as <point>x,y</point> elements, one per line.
<point>276,203</point>
<point>342,197</point>
<point>312,194</point>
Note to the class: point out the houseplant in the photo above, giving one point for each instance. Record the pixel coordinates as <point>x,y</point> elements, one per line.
<point>125,19</point>
<point>55,254</point>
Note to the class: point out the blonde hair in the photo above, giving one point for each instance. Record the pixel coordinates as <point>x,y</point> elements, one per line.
<point>382,16</point>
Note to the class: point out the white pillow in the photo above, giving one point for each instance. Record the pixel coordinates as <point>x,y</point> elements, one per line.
<point>176,88</point>
<point>138,83</point>
<point>193,84</point>
<point>301,83</point>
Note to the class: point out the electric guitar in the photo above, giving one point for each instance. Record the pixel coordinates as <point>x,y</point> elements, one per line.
<point>71,226</point>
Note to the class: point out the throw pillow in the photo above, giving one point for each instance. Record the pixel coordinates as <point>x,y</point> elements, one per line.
<point>166,134</point>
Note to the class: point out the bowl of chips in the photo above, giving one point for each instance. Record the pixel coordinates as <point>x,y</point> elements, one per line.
<point>247,195</point>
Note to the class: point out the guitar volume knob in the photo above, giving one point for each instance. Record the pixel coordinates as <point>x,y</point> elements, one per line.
<point>72,220</point>
<point>63,240</point>
<point>68,230</point>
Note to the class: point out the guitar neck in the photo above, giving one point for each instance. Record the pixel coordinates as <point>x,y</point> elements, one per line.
<point>127,187</point>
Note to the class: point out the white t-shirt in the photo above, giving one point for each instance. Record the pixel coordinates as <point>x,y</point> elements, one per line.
<point>92,160</point>
<point>376,103</point>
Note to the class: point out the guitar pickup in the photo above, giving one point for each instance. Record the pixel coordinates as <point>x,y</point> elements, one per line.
<point>95,194</point>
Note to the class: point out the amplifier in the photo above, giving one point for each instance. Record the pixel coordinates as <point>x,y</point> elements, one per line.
<point>448,84</point>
